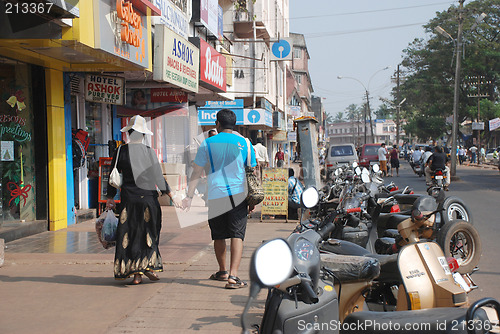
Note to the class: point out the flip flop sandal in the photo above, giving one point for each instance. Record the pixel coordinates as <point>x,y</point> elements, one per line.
<point>151,275</point>
<point>218,276</point>
<point>238,283</point>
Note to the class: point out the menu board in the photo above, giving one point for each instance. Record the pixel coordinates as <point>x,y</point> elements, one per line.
<point>275,184</point>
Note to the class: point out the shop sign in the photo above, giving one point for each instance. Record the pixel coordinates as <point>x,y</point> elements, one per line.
<point>168,95</point>
<point>176,60</point>
<point>282,49</point>
<point>494,124</point>
<point>123,31</point>
<point>221,24</point>
<point>477,125</point>
<point>278,120</point>
<point>172,17</point>
<point>104,89</point>
<point>208,113</point>
<point>266,105</point>
<point>258,116</point>
<point>292,136</point>
<point>209,15</point>
<point>294,110</point>
<point>212,67</point>
<point>275,184</point>
<point>279,136</point>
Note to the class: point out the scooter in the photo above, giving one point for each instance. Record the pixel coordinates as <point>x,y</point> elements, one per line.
<point>305,298</point>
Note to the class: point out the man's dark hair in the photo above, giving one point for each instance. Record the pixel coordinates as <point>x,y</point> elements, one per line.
<point>428,149</point>
<point>291,172</point>
<point>439,149</point>
<point>383,144</point>
<point>226,118</point>
<point>259,140</point>
<point>212,133</point>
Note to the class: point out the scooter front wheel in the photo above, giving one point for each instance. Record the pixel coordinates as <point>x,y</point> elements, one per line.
<point>460,239</point>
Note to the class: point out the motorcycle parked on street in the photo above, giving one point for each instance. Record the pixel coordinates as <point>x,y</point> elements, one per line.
<point>306,297</point>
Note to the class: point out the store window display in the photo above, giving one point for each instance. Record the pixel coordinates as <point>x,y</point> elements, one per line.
<point>17,156</point>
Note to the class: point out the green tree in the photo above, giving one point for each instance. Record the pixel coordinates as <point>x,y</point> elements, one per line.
<point>383,112</point>
<point>429,69</point>
<point>339,117</point>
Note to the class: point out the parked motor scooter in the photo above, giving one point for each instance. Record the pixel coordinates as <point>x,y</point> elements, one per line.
<point>304,298</point>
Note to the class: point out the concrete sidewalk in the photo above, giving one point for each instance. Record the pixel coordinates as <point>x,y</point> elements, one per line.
<point>60,282</point>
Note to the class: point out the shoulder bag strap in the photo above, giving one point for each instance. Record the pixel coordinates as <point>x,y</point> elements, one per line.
<point>295,185</point>
<point>249,154</point>
<point>117,155</point>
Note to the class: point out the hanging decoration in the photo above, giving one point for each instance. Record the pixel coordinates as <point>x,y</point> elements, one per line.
<point>17,100</point>
<point>17,191</point>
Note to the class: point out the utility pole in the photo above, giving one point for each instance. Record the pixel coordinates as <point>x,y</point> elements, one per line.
<point>369,116</point>
<point>398,108</point>
<point>453,169</point>
<point>479,80</point>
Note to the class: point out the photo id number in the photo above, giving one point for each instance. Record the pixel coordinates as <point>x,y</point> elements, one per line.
<point>28,7</point>
<point>472,325</point>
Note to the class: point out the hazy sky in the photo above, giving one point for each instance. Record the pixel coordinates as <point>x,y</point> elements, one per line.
<point>356,39</point>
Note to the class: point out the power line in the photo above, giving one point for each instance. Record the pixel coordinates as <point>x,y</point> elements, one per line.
<point>338,33</point>
<point>370,11</point>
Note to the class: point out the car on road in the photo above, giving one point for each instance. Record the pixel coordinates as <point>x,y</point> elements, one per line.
<point>368,155</point>
<point>338,155</point>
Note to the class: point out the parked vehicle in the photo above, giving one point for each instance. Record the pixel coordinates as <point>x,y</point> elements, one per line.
<point>341,155</point>
<point>311,294</point>
<point>368,155</point>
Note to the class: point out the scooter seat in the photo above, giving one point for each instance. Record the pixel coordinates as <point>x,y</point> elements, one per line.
<point>407,198</point>
<point>436,320</point>
<point>390,233</point>
<point>351,268</point>
<point>389,220</point>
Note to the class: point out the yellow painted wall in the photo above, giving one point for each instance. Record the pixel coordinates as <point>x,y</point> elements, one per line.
<point>56,148</point>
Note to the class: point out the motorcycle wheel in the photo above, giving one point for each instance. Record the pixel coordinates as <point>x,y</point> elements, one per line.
<point>455,208</point>
<point>460,240</point>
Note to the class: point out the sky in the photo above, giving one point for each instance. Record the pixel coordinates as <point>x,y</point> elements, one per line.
<point>357,39</point>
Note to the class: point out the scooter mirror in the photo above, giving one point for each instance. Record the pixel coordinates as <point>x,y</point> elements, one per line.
<point>358,171</point>
<point>354,164</point>
<point>365,178</point>
<point>365,171</point>
<point>272,263</point>
<point>310,197</point>
<point>376,168</point>
<point>338,172</point>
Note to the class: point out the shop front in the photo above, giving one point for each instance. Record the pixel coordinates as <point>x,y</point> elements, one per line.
<point>23,183</point>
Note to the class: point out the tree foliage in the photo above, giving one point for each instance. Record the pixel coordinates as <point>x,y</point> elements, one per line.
<point>429,69</point>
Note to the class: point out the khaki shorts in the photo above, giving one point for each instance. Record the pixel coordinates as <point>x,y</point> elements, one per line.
<point>383,165</point>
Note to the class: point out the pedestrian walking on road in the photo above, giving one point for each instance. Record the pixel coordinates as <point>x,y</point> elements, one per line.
<point>225,156</point>
<point>382,159</point>
<point>139,226</point>
<point>473,153</point>
<point>394,160</point>
<point>279,158</point>
<point>262,157</point>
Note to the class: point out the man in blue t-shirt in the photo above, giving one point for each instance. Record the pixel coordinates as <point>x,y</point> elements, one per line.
<point>225,156</point>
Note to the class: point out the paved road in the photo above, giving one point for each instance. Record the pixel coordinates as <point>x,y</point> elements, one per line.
<point>480,189</point>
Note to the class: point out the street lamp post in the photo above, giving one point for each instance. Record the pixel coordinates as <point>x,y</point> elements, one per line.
<point>458,50</point>
<point>367,95</point>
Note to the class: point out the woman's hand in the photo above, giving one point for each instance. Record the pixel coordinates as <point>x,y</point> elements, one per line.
<point>177,203</point>
<point>110,204</point>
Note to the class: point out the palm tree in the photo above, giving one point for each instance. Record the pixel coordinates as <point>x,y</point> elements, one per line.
<point>339,117</point>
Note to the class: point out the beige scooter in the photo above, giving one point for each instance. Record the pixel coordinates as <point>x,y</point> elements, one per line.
<point>424,272</point>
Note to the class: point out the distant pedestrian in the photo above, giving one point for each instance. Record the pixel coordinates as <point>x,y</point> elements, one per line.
<point>261,156</point>
<point>461,155</point>
<point>473,153</point>
<point>295,190</point>
<point>382,159</point>
<point>279,158</point>
<point>225,157</point>
<point>394,160</point>
<point>138,232</point>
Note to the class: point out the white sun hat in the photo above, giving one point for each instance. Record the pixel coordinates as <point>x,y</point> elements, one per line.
<point>137,123</point>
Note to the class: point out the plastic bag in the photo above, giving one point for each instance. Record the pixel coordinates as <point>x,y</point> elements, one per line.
<point>105,228</point>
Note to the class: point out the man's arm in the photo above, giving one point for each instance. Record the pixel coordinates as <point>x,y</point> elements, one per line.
<point>193,182</point>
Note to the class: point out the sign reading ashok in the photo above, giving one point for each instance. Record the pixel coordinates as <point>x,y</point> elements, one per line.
<point>99,88</point>
<point>176,60</point>
<point>275,184</point>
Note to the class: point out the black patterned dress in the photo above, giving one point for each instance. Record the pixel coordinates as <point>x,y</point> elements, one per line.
<point>139,224</point>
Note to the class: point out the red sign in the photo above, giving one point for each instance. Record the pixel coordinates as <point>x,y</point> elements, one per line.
<point>212,66</point>
<point>168,95</point>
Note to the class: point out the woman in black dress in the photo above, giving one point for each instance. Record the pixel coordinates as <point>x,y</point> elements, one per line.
<point>139,225</point>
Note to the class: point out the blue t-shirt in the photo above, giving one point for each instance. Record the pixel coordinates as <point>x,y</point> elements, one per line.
<point>229,154</point>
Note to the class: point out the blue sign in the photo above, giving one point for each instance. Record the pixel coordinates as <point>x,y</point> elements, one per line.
<point>258,116</point>
<point>253,116</point>
<point>281,50</point>
<point>208,113</point>
<point>238,103</point>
